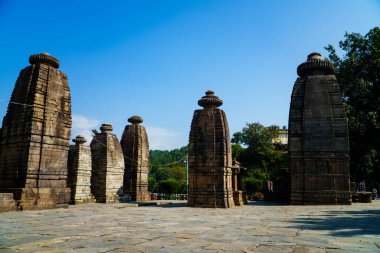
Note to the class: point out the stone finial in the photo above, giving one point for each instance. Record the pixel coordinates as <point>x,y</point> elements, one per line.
<point>106,128</point>
<point>135,120</point>
<point>44,58</point>
<point>315,65</point>
<point>79,140</point>
<point>210,100</point>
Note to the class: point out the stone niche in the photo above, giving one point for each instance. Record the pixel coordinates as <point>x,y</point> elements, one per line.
<point>35,136</point>
<point>318,137</point>
<point>134,143</point>
<point>107,166</point>
<point>79,177</point>
<point>210,159</point>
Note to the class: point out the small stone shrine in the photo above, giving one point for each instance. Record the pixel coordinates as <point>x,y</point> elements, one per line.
<point>318,137</point>
<point>134,143</point>
<point>210,159</point>
<point>237,183</point>
<point>79,178</point>
<point>35,136</point>
<point>107,166</point>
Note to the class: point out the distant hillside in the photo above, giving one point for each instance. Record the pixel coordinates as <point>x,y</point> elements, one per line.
<point>162,157</point>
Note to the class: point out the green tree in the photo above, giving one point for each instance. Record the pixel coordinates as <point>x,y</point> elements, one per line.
<point>182,187</point>
<point>260,151</point>
<point>160,173</point>
<point>152,184</point>
<point>253,147</point>
<point>169,186</point>
<point>252,185</point>
<point>177,171</point>
<point>358,74</point>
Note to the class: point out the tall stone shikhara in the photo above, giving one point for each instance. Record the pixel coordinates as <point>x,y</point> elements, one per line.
<point>134,143</point>
<point>107,166</point>
<point>210,159</point>
<point>35,136</point>
<point>80,166</point>
<point>318,137</point>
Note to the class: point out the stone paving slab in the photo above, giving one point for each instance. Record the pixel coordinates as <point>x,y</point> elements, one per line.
<point>258,227</point>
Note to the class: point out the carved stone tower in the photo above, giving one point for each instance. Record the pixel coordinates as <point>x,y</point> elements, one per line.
<point>35,136</point>
<point>210,158</point>
<point>107,166</point>
<point>134,143</point>
<point>318,137</point>
<point>79,179</point>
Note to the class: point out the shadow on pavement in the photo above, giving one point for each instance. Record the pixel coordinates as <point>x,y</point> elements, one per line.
<point>171,205</point>
<point>343,223</point>
<point>265,203</point>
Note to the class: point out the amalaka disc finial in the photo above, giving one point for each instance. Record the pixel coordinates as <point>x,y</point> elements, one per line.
<point>44,58</point>
<point>106,128</point>
<point>315,65</point>
<point>79,140</point>
<point>135,119</point>
<point>210,100</point>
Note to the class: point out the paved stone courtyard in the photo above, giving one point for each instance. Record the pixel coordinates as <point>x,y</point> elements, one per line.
<point>258,227</point>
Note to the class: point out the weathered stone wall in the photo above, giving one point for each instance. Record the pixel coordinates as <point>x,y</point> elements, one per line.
<point>107,166</point>
<point>318,137</point>
<point>210,159</point>
<point>79,177</point>
<point>7,203</point>
<point>134,143</point>
<point>35,136</point>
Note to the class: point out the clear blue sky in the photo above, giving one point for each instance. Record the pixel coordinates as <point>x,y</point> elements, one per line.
<point>156,58</point>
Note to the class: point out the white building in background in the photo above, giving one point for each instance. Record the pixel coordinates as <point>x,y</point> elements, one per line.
<point>282,139</point>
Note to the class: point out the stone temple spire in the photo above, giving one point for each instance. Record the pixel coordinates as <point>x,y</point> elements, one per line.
<point>107,166</point>
<point>210,158</point>
<point>35,138</point>
<point>135,145</point>
<point>318,137</point>
<point>80,164</point>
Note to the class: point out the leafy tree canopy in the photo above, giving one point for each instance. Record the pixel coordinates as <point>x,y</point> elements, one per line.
<point>358,74</point>
<point>254,148</point>
<point>168,171</point>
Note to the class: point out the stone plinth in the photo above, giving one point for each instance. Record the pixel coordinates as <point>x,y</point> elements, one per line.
<point>135,145</point>
<point>35,136</point>
<point>210,160</point>
<point>318,137</point>
<point>7,203</point>
<point>79,179</point>
<point>107,166</point>
<point>364,197</point>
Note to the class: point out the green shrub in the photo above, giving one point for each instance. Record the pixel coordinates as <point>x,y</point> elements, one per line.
<point>253,185</point>
<point>152,184</point>
<point>182,187</point>
<point>168,186</point>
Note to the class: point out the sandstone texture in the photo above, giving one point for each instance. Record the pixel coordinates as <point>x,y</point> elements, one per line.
<point>80,167</point>
<point>107,166</point>
<point>210,158</point>
<point>318,137</point>
<point>7,203</point>
<point>135,145</point>
<point>35,136</point>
